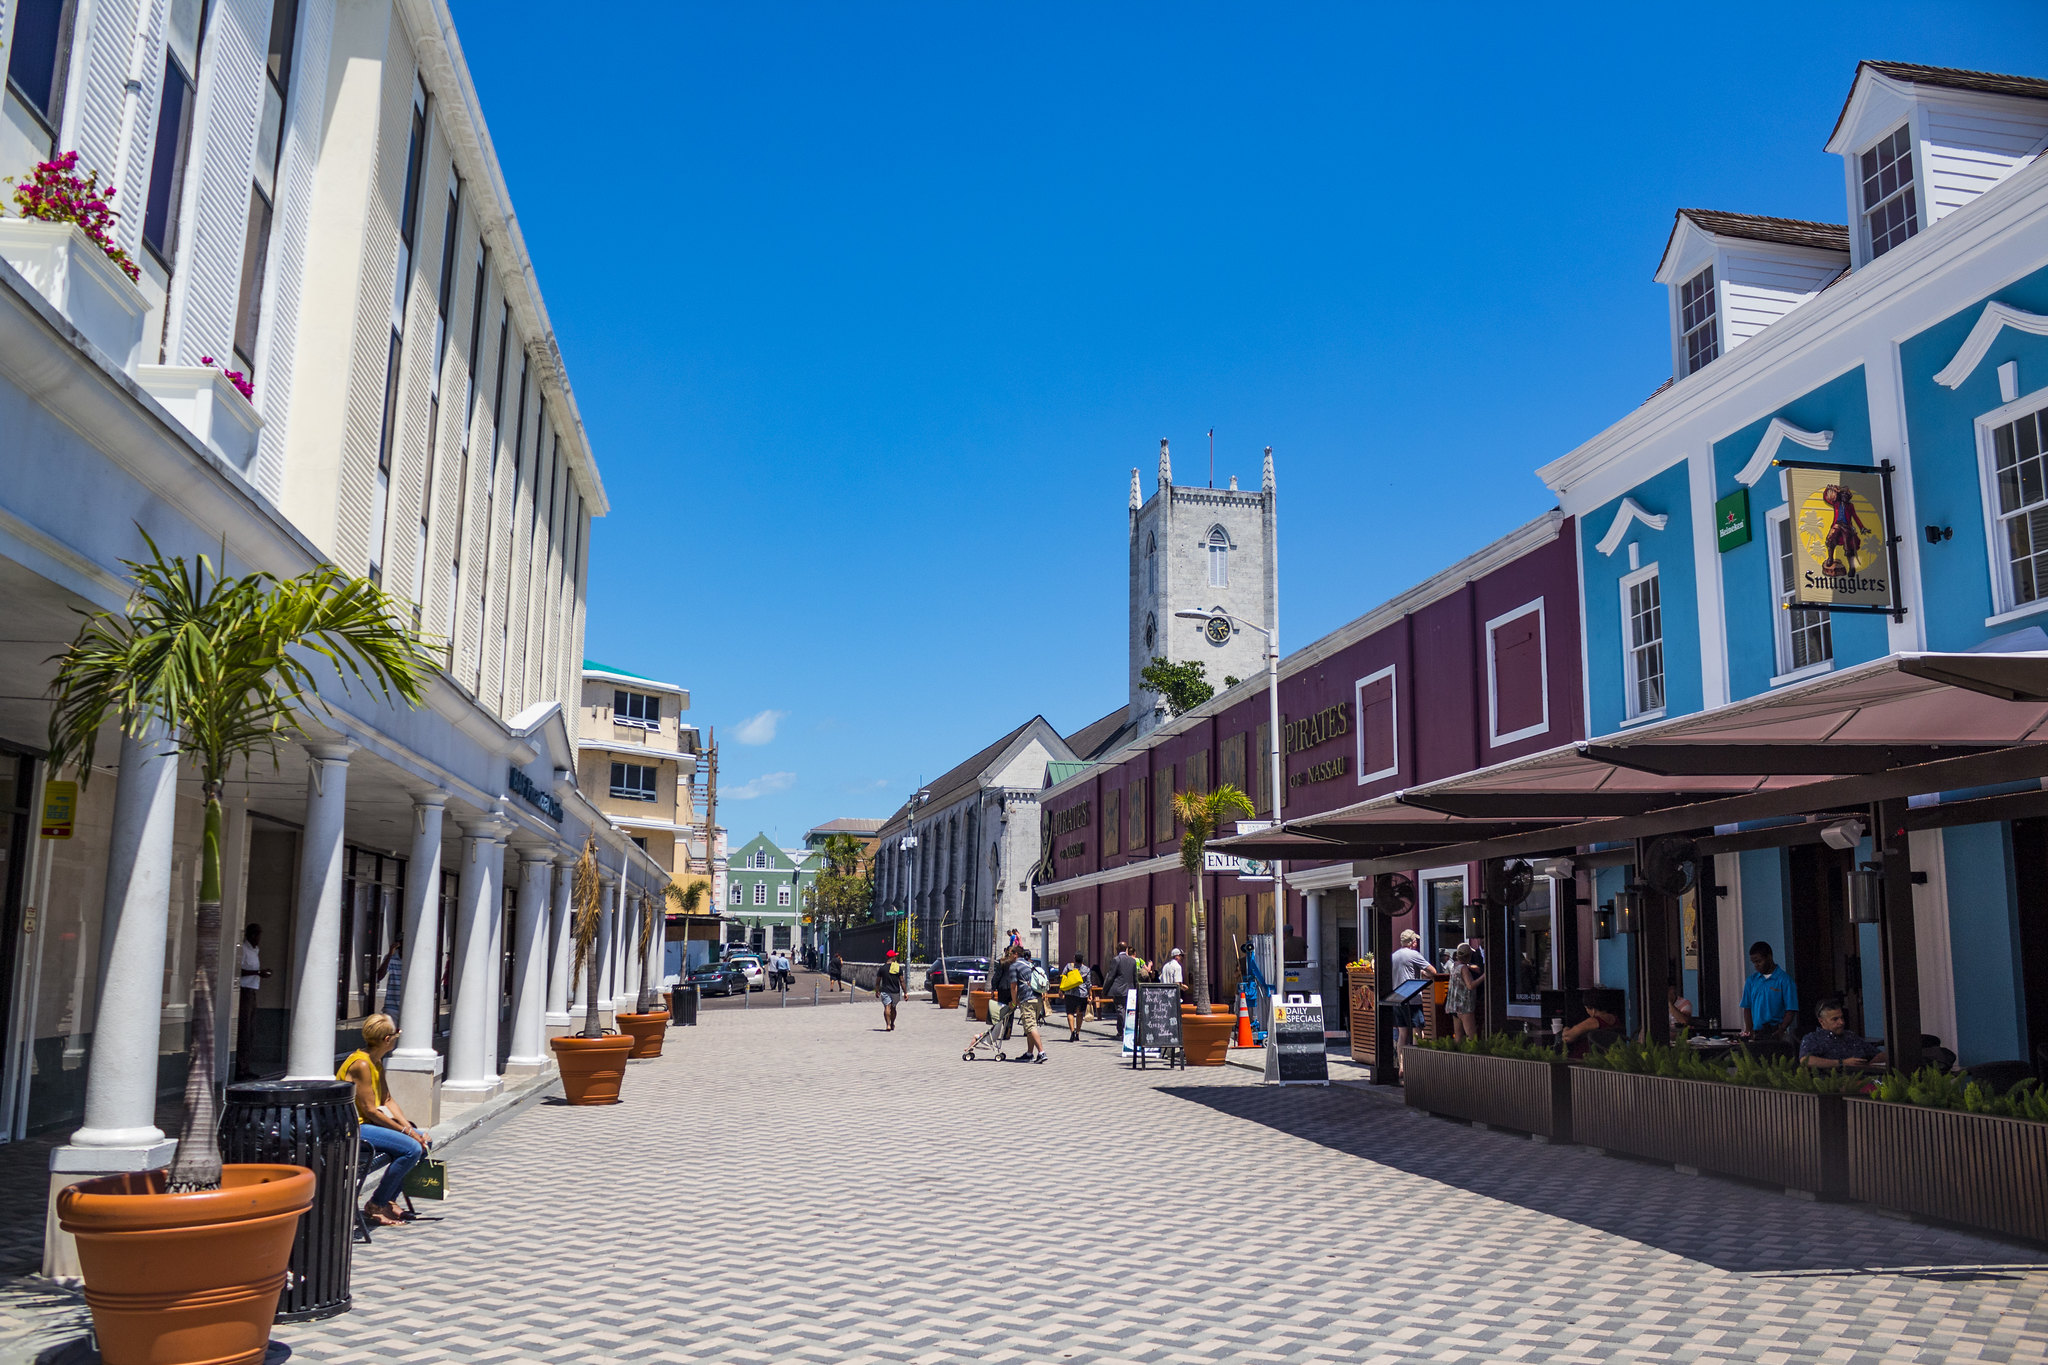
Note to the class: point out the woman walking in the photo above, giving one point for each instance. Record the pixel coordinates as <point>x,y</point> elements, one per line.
<point>1461,997</point>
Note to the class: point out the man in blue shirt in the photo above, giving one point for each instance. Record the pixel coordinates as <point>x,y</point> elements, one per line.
<point>1770,1002</point>
<point>1832,1045</point>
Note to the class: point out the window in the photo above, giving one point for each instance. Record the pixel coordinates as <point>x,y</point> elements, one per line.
<point>1219,558</point>
<point>1112,823</point>
<point>1891,211</point>
<point>1134,839</point>
<point>1805,635</point>
<point>1642,613</point>
<point>1378,734</point>
<point>737,894</point>
<point>173,130</point>
<point>42,52</point>
<point>1162,805</point>
<point>277,72</point>
<point>633,781</point>
<point>2019,458</point>
<point>636,709</point>
<point>1697,325</point>
<point>1517,676</point>
<point>759,858</point>
<point>782,895</point>
<point>760,893</point>
<point>408,224</point>
<point>1151,566</point>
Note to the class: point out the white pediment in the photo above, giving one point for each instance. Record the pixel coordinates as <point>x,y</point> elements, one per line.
<point>1775,436</point>
<point>1630,511</point>
<point>1995,318</point>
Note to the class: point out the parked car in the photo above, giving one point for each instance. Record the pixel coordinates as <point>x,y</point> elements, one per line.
<point>756,970</point>
<point>718,978</point>
<point>954,971</point>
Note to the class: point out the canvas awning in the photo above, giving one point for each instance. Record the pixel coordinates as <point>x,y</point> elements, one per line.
<point>1902,726</point>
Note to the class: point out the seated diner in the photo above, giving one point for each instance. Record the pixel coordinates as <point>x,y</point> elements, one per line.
<point>1833,1045</point>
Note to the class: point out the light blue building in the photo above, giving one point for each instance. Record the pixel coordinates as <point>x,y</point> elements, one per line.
<point>1916,334</point>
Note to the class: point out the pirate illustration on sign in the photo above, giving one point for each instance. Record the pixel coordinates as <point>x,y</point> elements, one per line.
<point>1846,530</point>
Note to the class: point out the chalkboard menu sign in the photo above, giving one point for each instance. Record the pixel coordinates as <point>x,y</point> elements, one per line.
<point>1296,1055</point>
<point>1158,1031</point>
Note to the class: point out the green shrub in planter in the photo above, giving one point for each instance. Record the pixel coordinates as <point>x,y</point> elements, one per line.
<point>1515,1046</point>
<point>1930,1088</point>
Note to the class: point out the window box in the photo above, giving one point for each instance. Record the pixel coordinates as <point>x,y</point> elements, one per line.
<point>1777,1137</point>
<point>70,270</point>
<point>208,406</point>
<point>1980,1171</point>
<point>1500,1092</point>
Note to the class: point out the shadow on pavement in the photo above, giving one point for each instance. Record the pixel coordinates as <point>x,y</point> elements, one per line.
<point>1723,1223</point>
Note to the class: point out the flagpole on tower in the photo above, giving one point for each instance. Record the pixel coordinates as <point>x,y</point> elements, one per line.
<point>1212,457</point>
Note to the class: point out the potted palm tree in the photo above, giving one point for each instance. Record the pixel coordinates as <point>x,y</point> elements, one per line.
<point>593,1062</point>
<point>687,900</point>
<point>646,1025</point>
<point>186,1264</point>
<point>1205,1034</point>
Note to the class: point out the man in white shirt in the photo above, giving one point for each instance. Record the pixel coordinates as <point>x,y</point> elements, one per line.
<point>1406,965</point>
<point>251,970</point>
<point>1175,970</point>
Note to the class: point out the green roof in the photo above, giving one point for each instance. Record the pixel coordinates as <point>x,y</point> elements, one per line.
<point>1059,770</point>
<point>593,666</point>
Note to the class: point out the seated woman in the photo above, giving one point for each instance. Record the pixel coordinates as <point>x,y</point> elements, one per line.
<point>384,1125</point>
<point>1600,1014</point>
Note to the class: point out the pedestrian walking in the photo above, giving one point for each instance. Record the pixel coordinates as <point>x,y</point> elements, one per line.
<point>889,983</point>
<point>1027,987</point>
<point>1123,977</point>
<point>838,972</point>
<point>778,965</point>
<point>252,973</point>
<point>1074,993</point>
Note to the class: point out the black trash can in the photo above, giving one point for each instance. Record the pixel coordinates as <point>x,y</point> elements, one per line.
<point>310,1124</point>
<point>682,1006</point>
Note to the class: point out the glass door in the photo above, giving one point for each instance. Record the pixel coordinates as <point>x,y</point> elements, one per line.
<point>1532,948</point>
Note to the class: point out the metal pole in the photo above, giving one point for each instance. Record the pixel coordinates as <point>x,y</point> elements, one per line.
<point>1279,874</point>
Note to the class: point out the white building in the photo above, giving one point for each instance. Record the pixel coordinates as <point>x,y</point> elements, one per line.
<point>310,194</point>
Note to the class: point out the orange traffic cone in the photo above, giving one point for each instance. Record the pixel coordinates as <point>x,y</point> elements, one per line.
<point>1244,1023</point>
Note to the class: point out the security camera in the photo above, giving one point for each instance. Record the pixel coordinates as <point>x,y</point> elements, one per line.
<point>1843,834</point>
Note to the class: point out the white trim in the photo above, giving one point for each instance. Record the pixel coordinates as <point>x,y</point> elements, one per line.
<point>1775,435</point>
<point>1628,674</point>
<point>1802,674</point>
<point>1781,614</point>
<point>1394,714</point>
<point>1425,921</point>
<point>2018,613</point>
<point>1995,317</point>
<point>1987,484</point>
<point>1494,737</point>
<point>1630,510</point>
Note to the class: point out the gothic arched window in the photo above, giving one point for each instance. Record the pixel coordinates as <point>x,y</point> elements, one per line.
<point>1219,557</point>
<point>1151,562</point>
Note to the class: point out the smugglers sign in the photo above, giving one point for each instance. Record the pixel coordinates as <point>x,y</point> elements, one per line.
<point>1844,555</point>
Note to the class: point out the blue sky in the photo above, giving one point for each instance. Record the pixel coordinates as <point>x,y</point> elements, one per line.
<point>871,310</point>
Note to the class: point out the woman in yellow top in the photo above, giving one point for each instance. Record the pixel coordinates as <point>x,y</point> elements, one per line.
<point>384,1125</point>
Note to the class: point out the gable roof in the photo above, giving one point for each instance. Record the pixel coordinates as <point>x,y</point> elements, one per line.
<point>1943,77</point>
<point>593,669</point>
<point>1756,227</point>
<point>1097,738</point>
<point>847,824</point>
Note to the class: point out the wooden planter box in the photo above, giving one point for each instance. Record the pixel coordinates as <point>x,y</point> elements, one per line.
<point>1365,1005</point>
<point>1778,1137</point>
<point>1501,1092</point>
<point>1970,1169</point>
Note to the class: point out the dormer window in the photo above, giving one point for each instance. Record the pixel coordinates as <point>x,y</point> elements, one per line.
<point>1891,209</point>
<point>1697,322</point>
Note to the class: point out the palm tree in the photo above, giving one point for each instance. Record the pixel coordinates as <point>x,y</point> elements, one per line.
<point>1200,813</point>
<point>224,668</point>
<point>644,1002</point>
<point>586,897</point>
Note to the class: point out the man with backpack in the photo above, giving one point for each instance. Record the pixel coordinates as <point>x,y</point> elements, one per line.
<point>889,982</point>
<point>1027,987</point>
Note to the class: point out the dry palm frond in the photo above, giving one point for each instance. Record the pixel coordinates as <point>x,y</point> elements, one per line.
<point>586,898</point>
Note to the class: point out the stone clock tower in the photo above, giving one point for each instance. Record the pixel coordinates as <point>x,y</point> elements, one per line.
<point>1195,547</point>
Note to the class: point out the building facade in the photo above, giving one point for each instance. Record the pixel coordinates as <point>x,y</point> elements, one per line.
<point>764,906</point>
<point>309,195</point>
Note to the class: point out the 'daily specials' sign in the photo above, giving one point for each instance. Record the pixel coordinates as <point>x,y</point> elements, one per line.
<point>1841,547</point>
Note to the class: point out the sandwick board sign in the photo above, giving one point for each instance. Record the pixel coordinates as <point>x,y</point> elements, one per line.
<point>1841,538</point>
<point>1295,1052</point>
<point>1158,1022</point>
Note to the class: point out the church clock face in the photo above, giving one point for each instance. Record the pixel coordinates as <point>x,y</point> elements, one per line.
<point>1218,630</point>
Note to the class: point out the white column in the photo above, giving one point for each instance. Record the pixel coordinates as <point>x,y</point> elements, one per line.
<point>607,917</point>
<point>529,1055</point>
<point>316,986</point>
<point>120,1132</point>
<point>1312,974</point>
<point>472,1073</point>
<point>561,949</point>
<point>413,1069</point>
<point>494,1013</point>
<point>630,915</point>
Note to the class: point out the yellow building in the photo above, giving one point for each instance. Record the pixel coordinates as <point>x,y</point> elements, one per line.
<point>637,758</point>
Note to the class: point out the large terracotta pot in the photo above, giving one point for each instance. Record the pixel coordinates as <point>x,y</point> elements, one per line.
<point>1206,1038</point>
<point>592,1068</point>
<point>180,1279</point>
<point>646,1031</point>
<point>977,1004</point>
<point>947,996</point>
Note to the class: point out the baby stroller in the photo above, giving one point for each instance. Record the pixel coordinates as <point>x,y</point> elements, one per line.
<point>992,1038</point>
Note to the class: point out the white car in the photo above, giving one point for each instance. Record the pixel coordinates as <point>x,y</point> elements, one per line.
<point>756,970</point>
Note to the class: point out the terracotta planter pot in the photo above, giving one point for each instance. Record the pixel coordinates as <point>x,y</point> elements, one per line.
<point>592,1068</point>
<point>1206,1038</point>
<point>948,996</point>
<point>178,1278</point>
<point>646,1031</point>
<point>977,1004</point>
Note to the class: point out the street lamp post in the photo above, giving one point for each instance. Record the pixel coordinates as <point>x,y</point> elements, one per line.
<point>1272,637</point>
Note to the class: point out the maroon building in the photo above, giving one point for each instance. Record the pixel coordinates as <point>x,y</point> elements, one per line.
<point>1472,667</point>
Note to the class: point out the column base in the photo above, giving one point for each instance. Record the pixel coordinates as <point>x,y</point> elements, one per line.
<point>68,1166</point>
<point>456,1094</point>
<point>416,1084</point>
<point>559,1030</point>
<point>522,1068</point>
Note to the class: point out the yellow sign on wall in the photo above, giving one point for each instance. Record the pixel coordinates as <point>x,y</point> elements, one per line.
<point>1840,542</point>
<point>60,809</point>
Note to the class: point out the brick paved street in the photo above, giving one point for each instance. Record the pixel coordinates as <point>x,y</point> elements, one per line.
<point>795,1185</point>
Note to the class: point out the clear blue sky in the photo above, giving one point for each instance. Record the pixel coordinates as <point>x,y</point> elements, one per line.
<point>871,310</point>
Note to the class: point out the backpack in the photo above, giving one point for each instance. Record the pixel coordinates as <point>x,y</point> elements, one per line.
<point>1038,981</point>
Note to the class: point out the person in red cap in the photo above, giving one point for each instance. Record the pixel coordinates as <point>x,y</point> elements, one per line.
<point>889,989</point>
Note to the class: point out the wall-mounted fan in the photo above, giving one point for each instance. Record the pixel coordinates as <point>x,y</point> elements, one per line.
<point>1670,864</point>
<point>1394,896</point>
<point>1517,879</point>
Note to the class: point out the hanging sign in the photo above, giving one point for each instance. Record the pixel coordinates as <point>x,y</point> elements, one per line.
<point>1842,546</point>
<point>60,809</point>
<point>1731,521</point>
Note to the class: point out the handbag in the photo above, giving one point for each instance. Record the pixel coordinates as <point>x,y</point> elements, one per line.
<point>428,1179</point>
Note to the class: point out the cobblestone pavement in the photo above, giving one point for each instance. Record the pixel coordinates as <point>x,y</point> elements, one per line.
<point>796,1185</point>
